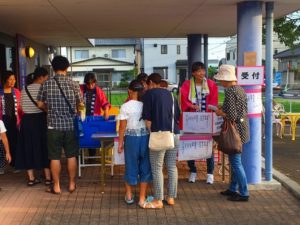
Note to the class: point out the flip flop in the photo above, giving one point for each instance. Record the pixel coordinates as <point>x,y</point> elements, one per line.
<point>52,191</point>
<point>150,205</point>
<point>129,201</point>
<point>33,182</point>
<point>169,201</point>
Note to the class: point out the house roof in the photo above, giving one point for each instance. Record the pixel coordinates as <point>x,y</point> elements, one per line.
<point>288,53</point>
<point>102,58</point>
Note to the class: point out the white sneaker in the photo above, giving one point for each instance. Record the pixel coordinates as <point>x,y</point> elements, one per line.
<point>210,179</point>
<point>192,177</point>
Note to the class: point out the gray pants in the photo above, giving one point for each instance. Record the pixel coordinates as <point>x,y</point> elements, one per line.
<point>157,158</point>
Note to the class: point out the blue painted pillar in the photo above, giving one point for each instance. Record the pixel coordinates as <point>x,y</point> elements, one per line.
<point>269,92</point>
<point>194,50</point>
<point>205,45</point>
<point>249,38</point>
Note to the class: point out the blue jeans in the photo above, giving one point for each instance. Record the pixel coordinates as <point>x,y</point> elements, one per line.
<point>137,162</point>
<point>210,165</point>
<point>238,176</point>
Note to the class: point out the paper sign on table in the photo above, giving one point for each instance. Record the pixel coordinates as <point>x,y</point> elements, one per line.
<point>197,122</point>
<point>119,158</point>
<point>194,147</point>
<point>217,123</point>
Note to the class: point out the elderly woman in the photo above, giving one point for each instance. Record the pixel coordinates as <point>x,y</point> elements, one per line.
<point>235,109</point>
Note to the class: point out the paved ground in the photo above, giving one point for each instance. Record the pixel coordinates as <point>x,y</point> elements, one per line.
<point>286,155</point>
<point>197,203</point>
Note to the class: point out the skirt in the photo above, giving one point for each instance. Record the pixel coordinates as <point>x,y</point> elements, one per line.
<point>32,152</point>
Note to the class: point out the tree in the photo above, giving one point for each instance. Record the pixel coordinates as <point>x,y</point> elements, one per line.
<point>126,77</point>
<point>287,29</point>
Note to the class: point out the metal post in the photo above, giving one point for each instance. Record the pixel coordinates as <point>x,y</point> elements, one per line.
<point>269,92</point>
<point>205,43</point>
<point>194,50</point>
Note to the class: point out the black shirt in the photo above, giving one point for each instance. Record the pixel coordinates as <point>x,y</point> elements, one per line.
<point>157,108</point>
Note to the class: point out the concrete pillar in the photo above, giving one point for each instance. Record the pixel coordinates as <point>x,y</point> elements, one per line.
<point>194,50</point>
<point>269,91</point>
<point>205,45</point>
<point>249,38</point>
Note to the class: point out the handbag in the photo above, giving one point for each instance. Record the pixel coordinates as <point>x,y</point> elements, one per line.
<point>77,122</point>
<point>163,140</point>
<point>229,140</point>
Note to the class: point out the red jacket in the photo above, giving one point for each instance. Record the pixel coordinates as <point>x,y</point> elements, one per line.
<point>101,101</point>
<point>211,99</point>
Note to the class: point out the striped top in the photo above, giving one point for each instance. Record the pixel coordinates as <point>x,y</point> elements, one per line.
<point>26,103</point>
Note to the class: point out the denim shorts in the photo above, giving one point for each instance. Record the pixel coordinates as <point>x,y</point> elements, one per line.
<point>137,162</point>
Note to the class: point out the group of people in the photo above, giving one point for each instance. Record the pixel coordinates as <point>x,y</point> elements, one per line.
<point>38,124</point>
<point>152,108</point>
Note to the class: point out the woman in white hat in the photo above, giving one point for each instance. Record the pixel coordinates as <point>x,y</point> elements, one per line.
<point>235,109</point>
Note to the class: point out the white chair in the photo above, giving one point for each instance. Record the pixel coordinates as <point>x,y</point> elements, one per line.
<point>278,109</point>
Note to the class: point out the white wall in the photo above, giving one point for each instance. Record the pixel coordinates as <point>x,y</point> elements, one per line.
<point>154,58</point>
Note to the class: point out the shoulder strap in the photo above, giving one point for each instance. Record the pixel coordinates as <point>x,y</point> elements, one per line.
<point>29,95</point>
<point>173,111</point>
<point>63,94</point>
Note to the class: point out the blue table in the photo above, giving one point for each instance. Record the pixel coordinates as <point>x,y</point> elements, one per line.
<point>103,137</point>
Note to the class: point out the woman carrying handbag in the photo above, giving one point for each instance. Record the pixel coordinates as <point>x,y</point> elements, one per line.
<point>235,110</point>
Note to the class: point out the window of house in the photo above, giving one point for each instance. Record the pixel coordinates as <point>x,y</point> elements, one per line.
<point>228,56</point>
<point>178,49</point>
<point>163,71</point>
<point>103,79</point>
<point>118,53</point>
<point>233,56</point>
<point>81,54</point>
<point>164,49</point>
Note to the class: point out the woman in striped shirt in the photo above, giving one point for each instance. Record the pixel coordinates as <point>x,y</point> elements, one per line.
<point>32,152</point>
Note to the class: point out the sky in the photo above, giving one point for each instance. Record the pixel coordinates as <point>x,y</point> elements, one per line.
<point>216,48</point>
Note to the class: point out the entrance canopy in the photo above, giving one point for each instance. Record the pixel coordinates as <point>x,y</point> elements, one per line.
<point>72,22</point>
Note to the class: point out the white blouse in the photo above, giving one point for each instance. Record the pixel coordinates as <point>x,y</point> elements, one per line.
<point>132,112</point>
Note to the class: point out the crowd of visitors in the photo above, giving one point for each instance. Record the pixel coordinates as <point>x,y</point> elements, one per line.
<point>37,123</point>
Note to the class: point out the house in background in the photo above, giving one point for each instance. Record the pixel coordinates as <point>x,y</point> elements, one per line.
<point>289,66</point>
<point>231,50</point>
<point>108,59</point>
<point>161,54</point>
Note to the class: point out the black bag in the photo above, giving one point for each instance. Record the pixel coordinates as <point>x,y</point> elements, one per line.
<point>229,139</point>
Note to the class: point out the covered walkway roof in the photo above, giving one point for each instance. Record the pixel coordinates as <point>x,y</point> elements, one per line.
<point>72,22</point>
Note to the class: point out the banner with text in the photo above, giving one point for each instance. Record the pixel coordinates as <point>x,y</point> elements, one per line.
<point>195,147</point>
<point>197,122</point>
<point>250,75</point>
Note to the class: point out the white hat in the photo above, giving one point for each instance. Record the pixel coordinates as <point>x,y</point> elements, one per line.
<point>226,73</point>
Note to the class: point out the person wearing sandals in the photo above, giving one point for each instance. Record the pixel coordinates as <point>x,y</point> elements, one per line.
<point>158,113</point>
<point>235,109</point>
<point>32,151</point>
<point>61,95</point>
<point>133,140</point>
<point>4,150</point>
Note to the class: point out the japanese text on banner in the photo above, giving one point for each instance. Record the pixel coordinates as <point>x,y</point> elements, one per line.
<point>250,75</point>
<point>197,122</point>
<point>254,102</point>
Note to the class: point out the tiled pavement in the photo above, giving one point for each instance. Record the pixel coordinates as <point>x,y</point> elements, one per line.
<point>197,203</point>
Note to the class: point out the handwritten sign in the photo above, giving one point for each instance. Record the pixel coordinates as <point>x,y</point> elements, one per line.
<point>247,75</point>
<point>119,158</point>
<point>254,102</point>
<point>197,122</point>
<point>193,147</point>
<point>217,123</point>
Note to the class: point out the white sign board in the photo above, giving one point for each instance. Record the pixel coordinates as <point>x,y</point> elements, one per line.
<point>254,102</point>
<point>197,122</point>
<point>193,147</point>
<point>119,158</point>
<point>250,75</point>
<point>217,123</point>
